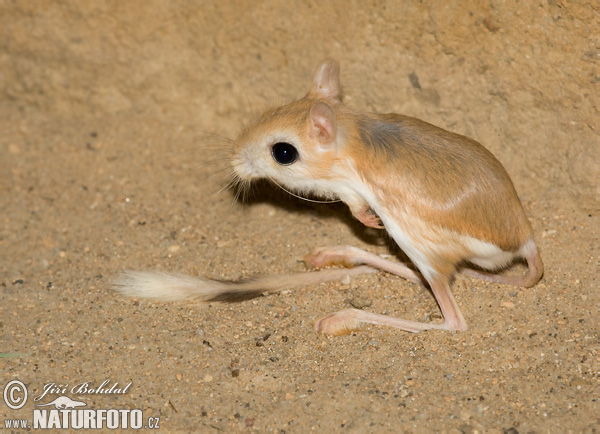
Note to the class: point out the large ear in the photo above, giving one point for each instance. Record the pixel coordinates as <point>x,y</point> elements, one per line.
<point>326,84</point>
<point>322,122</point>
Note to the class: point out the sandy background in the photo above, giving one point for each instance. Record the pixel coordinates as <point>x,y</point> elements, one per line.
<point>107,111</point>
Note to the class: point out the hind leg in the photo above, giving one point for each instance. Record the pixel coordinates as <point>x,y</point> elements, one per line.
<point>349,256</point>
<point>349,320</point>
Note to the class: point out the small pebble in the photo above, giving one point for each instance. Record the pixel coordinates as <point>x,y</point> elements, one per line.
<point>360,302</point>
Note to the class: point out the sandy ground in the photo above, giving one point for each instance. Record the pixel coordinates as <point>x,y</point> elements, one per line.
<point>107,166</point>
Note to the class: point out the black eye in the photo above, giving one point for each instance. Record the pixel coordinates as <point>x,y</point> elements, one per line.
<point>284,153</point>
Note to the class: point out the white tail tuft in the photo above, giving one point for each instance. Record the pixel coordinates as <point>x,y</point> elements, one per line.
<point>167,287</point>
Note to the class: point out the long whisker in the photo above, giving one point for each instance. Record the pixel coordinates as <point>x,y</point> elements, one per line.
<point>240,187</point>
<point>232,182</point>
<point>240,191</point>
<point>216,173</point>
<point>213,136</point>
<point>217,160</point>
<point>303,198</point>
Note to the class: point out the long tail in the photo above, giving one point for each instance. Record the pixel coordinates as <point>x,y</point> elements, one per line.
<point>173,287</point>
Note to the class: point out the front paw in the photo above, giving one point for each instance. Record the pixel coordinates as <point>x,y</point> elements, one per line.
<point>327,256</point>
<point>368,218</point>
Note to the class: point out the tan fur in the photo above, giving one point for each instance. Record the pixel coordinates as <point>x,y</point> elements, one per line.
<point>446,179</point>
